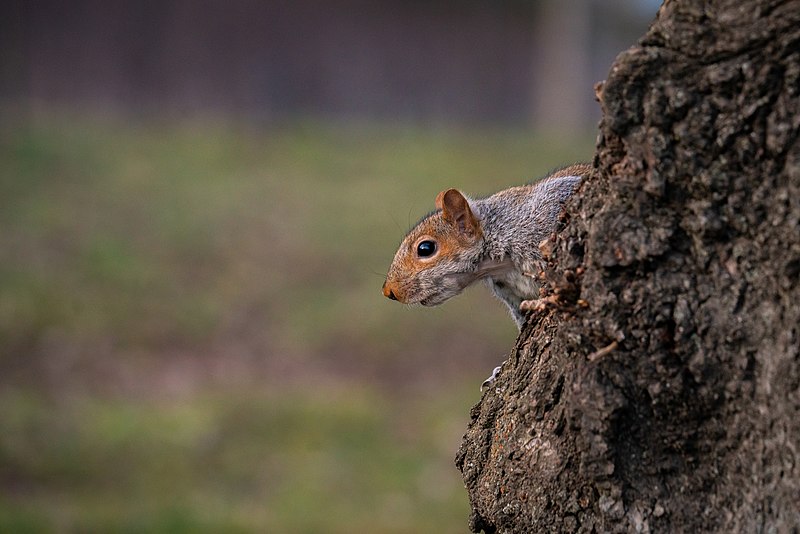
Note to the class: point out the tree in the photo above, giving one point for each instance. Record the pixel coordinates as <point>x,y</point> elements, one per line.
<point>663,392</point>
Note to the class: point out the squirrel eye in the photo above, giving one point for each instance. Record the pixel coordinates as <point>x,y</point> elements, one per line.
<point>426,248</point>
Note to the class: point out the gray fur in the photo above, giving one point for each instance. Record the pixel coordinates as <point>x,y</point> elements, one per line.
<point>515,222</point>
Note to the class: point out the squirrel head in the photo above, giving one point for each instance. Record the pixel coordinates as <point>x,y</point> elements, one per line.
<point>439,257</point>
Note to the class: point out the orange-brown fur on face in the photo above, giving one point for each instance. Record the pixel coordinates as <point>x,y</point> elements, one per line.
<point>431,280</point>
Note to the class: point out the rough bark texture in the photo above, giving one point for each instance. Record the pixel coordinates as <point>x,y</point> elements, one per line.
<point>681,257</point>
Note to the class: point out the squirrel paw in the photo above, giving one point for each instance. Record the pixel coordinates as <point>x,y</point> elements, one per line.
<point>538,305</point>
<point>489,381</point>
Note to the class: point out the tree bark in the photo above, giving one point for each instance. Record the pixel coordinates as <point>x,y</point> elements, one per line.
<point>663,393</point>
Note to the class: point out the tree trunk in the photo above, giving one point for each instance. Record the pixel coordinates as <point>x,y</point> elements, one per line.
<point>663,393</point>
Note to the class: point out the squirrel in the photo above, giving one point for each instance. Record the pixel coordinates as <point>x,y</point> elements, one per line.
<point>495,239</point>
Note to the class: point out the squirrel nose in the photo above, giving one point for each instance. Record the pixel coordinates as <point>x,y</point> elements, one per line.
<point>387,292</point>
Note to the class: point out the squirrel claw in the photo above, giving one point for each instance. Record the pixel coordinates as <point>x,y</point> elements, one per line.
<point>489,381</point>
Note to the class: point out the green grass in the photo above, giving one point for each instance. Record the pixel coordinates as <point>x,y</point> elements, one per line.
<point>192,335</point>
<point>297,462</point>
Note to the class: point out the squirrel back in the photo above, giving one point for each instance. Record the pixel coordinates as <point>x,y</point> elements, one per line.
<point>495,239</point>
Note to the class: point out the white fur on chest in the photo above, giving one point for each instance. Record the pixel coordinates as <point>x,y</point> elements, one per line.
<point>513,287</point>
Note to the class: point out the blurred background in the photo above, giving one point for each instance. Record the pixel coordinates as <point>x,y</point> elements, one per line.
<point>198,203</point>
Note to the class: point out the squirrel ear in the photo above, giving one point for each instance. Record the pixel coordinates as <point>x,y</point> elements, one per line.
<point>439,198</point>
<point>455,210</point>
